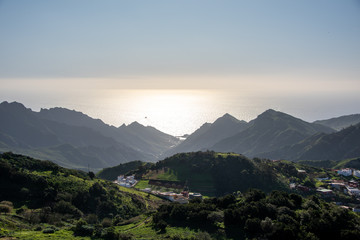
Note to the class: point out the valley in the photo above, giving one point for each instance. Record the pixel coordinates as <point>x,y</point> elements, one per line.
<point>276,169</point>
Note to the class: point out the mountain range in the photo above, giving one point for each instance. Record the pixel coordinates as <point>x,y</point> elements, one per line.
<point>209,134</point>
<point>340,123</point>
<point>75,140</point>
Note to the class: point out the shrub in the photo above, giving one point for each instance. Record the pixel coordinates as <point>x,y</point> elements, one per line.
<point>31,216</point>
<point>48,230</point>
<point>117,220</point>
<point>91,219</point>
<point>202,236</point>
<point>161,225</point>
<point>21,210</point>
<point>110,234</point>
<point>38,228</point>
<point>5,208</point>
<point>67,208</point>
<point>8,203</point>
<point>82,229</point>
<point>125,236</point>
<point>24,193</point>
<point>106,222</point>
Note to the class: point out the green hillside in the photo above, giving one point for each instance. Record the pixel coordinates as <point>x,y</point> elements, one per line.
<point>337,146</point>
<point>340,123</point>
<point>255,215</point>
<point>112,173</point>
<point>347,163</point>
<point>270,131</point>
<point>41,195</point>
<point>215,174</point>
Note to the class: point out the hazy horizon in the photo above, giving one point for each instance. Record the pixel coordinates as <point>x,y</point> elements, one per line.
<point>179,112</point>
<point>163,63</point>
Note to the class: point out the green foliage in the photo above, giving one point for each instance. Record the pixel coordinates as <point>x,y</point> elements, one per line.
<point>106,222</point>
<point>67,208</point>
<point>278,215</point>
<point>69,192</point>
<point>112,173</point>
<point>83,229</point>
<point>215,174</point>
<point>50,230</point>
<point>5,208</point>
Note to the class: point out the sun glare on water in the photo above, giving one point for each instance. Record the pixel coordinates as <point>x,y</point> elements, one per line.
<point>164,109</point>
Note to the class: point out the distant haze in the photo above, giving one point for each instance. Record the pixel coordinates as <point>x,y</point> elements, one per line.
<point>179,112</point>
<point>166,63</point>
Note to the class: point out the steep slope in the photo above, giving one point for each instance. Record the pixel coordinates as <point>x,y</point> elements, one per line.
<point>25,129</point>
<point>215,174</point>
<point>147,140</point>
<point>271,130</point>
<point>336,146</point>
<point>209,134</point>
<point>44,194</point>
<point>112,173</point>
<point>22,131</point>
<point>340,123</point>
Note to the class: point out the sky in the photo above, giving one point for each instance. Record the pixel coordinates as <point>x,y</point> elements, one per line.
<point>54,51</point>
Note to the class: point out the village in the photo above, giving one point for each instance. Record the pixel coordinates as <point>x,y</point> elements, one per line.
<point>327,188</point>
<point>183,197</point>
<point>332,188</point>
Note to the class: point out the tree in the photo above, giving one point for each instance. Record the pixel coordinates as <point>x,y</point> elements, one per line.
<point>5,208</point>
<point>91,175</point>
<point>161,226</point>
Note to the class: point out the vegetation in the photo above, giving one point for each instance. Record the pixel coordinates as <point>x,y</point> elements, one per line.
<point>337,146</point>
<point>255,215</point>
<point>346,163</point>
<point>40,200</point>
<point>215,174</point>
<point>112,173</point>
<point>270,131</point>
<point>40,194</point>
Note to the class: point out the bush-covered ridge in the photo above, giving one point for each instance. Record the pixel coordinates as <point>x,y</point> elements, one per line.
<point>215,174</point>
<point>39,184</point>
<point>255,215</point>
<point>112,173</point>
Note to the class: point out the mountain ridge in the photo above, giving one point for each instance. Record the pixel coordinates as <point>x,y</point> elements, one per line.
<point>270,130</point>
<point>210,133</point>
<point>73,139</point>
<point>339,123</point>
<point>336,146</point>
<point>44,134</point>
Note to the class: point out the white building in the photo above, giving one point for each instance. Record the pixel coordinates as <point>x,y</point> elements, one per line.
<point>128,181</point>
<point>352,191</point>
<point>345,172</point>
<point>356,173</point>
<point>147,190</point>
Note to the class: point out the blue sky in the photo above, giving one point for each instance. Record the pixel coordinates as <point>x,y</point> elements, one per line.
<point>281,47</point>
<point>145,39</point>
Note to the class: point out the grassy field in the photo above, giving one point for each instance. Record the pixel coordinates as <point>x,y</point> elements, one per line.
<point>140,227</point>
<point>200,182</point>
<point>38,235</point>
<point>142,184</point>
